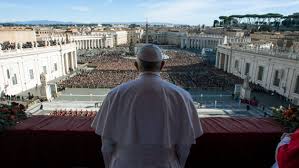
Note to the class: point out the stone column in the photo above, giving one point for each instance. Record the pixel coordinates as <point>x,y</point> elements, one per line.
<point>271,75</point>
<point>243,65</point>
<point>192,43</point>
<point>225,63</point>
<point>187,43</point>
<point>229,65</point>
<point>71,56</point>
<point>217,60</point>
<point>62,64</point>
<point>66,63</point>
<point>75,59</point>
<point>254,70</point>
<point>220,62</point>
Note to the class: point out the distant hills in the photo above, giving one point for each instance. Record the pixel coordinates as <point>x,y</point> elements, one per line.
<point>49,22</point>
<point>41,22</point>
<point>138,23</point>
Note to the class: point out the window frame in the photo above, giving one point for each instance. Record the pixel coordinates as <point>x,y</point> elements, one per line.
<point>14,79</point>
<point>245,72</point>
<point>31,74</point>
<point>262,74</point>
<point>276,79</point>
<point>296,87</point>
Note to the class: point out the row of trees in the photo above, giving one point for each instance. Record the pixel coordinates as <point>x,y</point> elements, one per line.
<point>274,20</point>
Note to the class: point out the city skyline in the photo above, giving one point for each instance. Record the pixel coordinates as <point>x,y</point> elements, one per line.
<point>191,12</point>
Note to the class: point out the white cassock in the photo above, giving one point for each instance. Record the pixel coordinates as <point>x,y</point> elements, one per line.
<point>147,123</point>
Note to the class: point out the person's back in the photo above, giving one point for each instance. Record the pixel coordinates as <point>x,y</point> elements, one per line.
<point>147,122</point>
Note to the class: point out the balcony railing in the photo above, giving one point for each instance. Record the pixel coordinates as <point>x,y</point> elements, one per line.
<point>50,141</point>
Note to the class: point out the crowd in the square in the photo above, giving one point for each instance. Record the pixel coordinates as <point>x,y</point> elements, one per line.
<point>74,113</point>
<point>185,69</point>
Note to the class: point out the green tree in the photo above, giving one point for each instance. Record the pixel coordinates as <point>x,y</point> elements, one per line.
<point>216,23</point>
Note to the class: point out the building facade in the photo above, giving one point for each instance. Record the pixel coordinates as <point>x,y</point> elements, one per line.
<point>20,69</point>
<point>135,35</point>
<point>121,37</point>
<point>200,41</point>
<point>15,35</point>
<point>164,37</point>
<point>93,41</point>
<point>273,70</point>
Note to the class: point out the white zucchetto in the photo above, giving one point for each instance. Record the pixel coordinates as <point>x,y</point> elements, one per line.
<point>150,53</point>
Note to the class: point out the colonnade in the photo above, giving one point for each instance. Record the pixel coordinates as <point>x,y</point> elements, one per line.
<point>197,43</point>
<point>210,41</point>
<point>223,61</point>
<point>69,62</point>
<point>90,43</point>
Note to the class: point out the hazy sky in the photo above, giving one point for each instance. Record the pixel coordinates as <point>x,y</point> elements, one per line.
<point>192,12</point>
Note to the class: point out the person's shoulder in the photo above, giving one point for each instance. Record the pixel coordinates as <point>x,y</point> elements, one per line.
<point>176,89</point>
<point>122,87</point>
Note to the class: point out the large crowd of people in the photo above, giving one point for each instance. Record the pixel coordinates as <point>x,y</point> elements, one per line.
<point>74,113</point>
<point>185,69</point>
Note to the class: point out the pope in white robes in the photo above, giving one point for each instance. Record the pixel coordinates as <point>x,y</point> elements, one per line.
<point>147,122</point>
